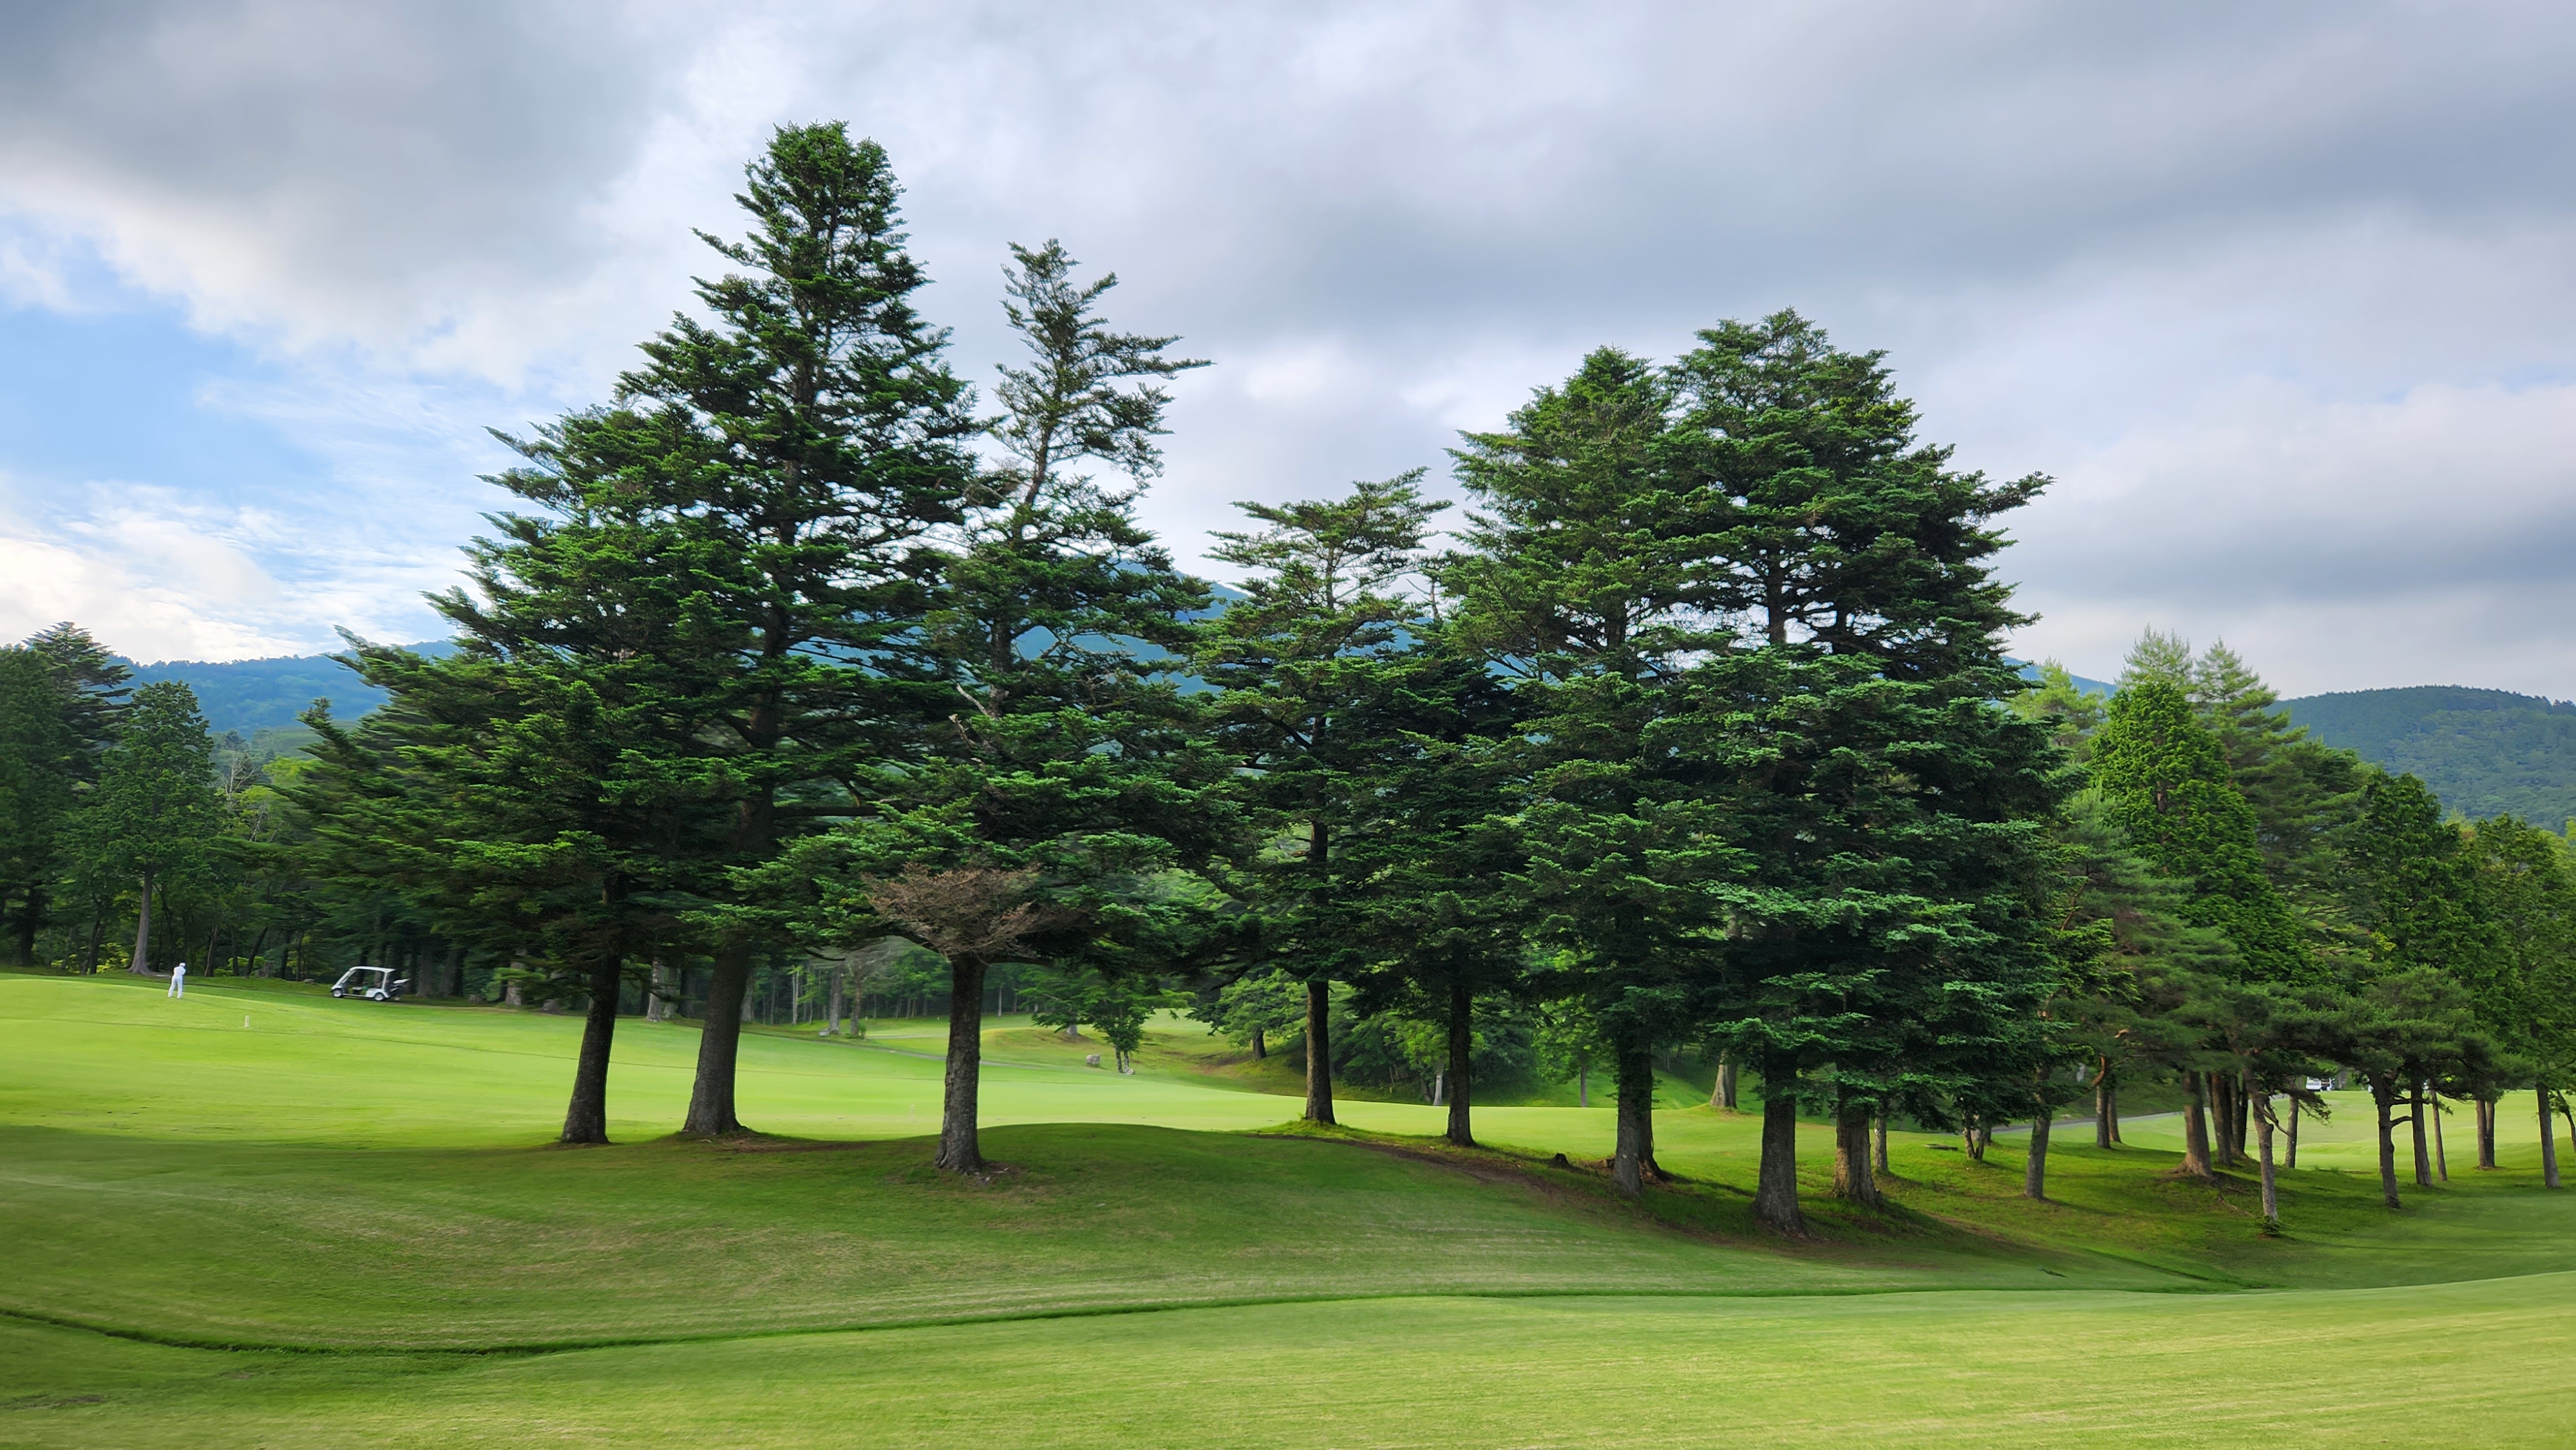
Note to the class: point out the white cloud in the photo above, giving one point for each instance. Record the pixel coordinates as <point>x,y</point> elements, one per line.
<point>2277,292</point>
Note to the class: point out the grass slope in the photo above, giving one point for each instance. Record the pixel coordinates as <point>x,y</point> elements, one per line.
<point>338,1224</point>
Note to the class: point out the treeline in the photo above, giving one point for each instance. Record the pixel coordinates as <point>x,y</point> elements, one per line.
<point>1697,737</point>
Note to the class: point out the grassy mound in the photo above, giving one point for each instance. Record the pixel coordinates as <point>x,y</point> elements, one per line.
<point>286,1220</point>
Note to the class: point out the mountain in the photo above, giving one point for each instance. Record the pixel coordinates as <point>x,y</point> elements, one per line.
<point>2083,686</point>
<point>254,695</point>
<point>2484,752</point>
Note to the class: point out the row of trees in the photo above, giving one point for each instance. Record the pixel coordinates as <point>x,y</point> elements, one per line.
<point>1694,738</point>
<point>2280,913</point>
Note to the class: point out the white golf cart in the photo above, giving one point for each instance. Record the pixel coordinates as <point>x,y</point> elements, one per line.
<point>376,984</point>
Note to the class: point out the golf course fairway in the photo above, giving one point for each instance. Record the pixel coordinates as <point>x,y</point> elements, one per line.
<point>263,1217</point>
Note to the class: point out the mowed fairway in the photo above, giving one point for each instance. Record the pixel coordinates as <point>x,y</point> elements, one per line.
<point>339,1225</point>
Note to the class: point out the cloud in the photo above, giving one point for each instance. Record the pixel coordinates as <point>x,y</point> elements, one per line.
<point>2277,293</point>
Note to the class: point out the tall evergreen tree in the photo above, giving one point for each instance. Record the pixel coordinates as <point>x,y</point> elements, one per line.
<point>1432,881</point>
<point>520,799</point>
<point>1071,780</point>
<point>2526,994</point>
<point>1584,579</point>
<point>154,816</point>
<point>52,740</point>
<point>1311,668</point>
<point>773,472</point>
<point>1853,556</point>
<point>38,755</point>
<point>2167,786</point>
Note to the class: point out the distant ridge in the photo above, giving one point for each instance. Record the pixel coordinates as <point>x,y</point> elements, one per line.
<point>249,696</point>
<point>2484,752</point>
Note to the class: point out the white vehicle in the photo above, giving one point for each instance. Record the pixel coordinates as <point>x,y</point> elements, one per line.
<point>376,984</point>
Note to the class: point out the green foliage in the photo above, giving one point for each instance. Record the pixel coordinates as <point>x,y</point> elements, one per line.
<point>2070,714</point>
<point>154,815</point>
<point>2167,788</point>
<point>2526,988</point>
<point>1321,701</point>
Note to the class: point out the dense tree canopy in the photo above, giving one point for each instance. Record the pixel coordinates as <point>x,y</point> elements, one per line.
<point>795,684</point>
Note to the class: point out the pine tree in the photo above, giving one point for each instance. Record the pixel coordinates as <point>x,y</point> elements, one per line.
<point>38,753</point>
<point>2526,995</point>
<point>2167,786</point>
<point>1431,881</point>
<point>1853,568</point>
<point>1074,768</point>
<point>769,480</point>
<point>154,816</point>
<point>56,730</point>
<point>521,801</point>
<point>2071,715</point>
<point>1310,664</point>
<point>1584,579</point>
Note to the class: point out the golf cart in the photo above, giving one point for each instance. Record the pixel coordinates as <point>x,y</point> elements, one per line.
<point>376,984</point>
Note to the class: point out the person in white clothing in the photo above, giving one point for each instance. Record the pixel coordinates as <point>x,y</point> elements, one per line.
<point>179,980</point>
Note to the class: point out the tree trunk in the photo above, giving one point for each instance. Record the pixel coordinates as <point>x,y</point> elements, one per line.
<point>1634,1157</point>
<point>2034,1170</point>
<point>1583,1089</point>
<point>586,1120</point>
<point>711,1101</point>
<point>2195,1127</point>
<point>656,1006</point>
<point>2486,1132</point>
<point>2548,1140</point>
<point>2441,1160</point>
<point>2423,1152</point>
<point>98,929</point>
<point>832,1009</point>
<point>2294,1134</point>
<point>2263,1146</point>
<point>2105,1113</point>
<point>2241,1097</point>
<point>141,966</point>
<point>1260,1048</point>
<point>1852,1178</point>
<point>1878,1144</point>
<point>1319,1052</point>
<point>1726,1084</point>
<point>1461,1071</point>
<point>958,1150</point>
<point>1775,1194</point>
<point>2382,1100</point>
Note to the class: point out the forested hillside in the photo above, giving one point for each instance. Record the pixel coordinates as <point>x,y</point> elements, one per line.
<point>2484,752</point>
<point>249,696</point>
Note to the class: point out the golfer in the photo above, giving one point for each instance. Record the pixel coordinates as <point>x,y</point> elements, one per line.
<point>179,980</point>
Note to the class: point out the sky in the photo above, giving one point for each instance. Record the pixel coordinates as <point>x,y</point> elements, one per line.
<point>2281,297</point>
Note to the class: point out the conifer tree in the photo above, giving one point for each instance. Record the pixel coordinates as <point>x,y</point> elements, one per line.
<point>521,800</point>
<point>2527,995</point>
<point>771,476</point>
<point>60,696</point>
<point>1073,769</point>
<point>2167,786</point>
<point>1853,569</point>
<point>37,757</point>
<point>1432,881</point>
<point>1583,579</point>
<point>154,817</point>
<point>2419,1035</point>
<point>1312,671</point>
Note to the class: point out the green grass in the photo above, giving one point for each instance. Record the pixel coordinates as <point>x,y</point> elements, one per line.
<point>342,1223</point>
